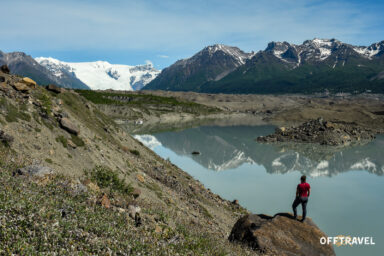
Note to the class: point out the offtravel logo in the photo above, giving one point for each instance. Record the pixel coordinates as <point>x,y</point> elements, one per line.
<point>342,240</point>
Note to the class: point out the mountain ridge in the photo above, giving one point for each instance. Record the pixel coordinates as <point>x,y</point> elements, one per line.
<point>316,65</point>
<point>22,64</point>
<point>210,64</point>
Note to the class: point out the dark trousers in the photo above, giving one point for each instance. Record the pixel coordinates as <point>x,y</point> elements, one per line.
<point>303,200</point>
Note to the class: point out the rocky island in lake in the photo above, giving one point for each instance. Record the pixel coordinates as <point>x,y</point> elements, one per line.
<point>322,132</point>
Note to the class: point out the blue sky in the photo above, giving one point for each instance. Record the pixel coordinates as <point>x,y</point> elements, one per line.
<point>133,32</point>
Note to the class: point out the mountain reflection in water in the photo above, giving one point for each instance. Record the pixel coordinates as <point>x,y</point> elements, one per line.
<point>223,148</point>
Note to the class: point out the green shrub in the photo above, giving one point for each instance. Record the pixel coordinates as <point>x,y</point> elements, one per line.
<point>46,103</point>
<point>135,152</point>
<point>13,114</point>
<point>77,140</point>
<point>62,140</point>
<point>107,178</point>
<point>48,160</point>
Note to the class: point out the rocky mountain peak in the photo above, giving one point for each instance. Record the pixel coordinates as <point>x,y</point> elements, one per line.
<point>239,55</point>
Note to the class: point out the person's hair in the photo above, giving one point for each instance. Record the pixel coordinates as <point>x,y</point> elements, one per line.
<point>303,178</point>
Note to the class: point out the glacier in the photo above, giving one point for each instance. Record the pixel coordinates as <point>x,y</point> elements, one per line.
<point>102,75</point>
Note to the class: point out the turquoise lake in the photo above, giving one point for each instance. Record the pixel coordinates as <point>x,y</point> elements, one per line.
<point>347,184</point>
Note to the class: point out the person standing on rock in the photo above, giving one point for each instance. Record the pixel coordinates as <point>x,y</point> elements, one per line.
<point>302,193</point>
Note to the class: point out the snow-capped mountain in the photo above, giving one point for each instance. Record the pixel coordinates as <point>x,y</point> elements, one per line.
<point>101,75</point>
<point>314,66</point>
<point>239,57</point>
<point>318,50</point>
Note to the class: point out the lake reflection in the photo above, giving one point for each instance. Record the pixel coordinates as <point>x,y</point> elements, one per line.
<point>347,184</point>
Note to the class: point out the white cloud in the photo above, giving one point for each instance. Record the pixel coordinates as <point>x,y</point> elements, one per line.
<point>163,56</point>
<point>182,26</point>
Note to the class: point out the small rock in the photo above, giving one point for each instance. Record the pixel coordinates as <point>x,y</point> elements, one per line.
<point>120,210</point>
<point>158,229</point>
<point>79,189</point>
<point>53,88</point>
<point>92,186</point>
<point>136,193</point>
<point>5,69</point>
<point>34,170</point>
<point>5,138</point>
<point>133,210</point>
<point>71,143</point>
<point>140,177</point>
<point>51,152</point>
<point>2,79</point>
<point>195,153</point>
<point>67,125</point>
<point>105,201</point>
<point>37,147</point>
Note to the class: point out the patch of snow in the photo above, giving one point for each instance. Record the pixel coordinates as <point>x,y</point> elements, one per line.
<point>322,42</point>
<point>368,52</point>
<point>238,159</point>
<point>365,164</point>
<point>324,53</point>
<point>318,173</point>
<point>323,164</point>
<point>277,162</point>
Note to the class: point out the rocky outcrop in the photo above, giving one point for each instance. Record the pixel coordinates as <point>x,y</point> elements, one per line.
<point>21,87</point>
<point>280,235</point>
<point>321,132</point>
<point>67,125</point>
<point>24,85</point>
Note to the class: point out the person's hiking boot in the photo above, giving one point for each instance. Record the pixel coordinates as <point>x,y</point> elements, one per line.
<point>302,220</point>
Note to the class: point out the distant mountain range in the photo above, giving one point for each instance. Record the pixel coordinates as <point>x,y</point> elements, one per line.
<point>317,65</point>
<point>101,75</point>
<point>314,66</point>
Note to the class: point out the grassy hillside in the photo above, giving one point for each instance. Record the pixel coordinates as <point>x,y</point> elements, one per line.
<point>100,175</point>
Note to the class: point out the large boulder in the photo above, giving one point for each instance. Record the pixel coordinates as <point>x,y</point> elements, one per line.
<point>54,88</point>
<point>21,87</point>
<point>280,235</point>
<point>34,170</point>
<point>29,82</point>
<point>67,125</point>
<point>5,69</point>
